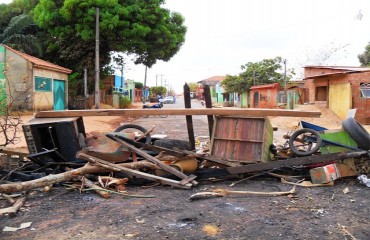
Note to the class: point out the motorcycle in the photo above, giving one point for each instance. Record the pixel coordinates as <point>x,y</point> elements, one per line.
<point>157,105</point>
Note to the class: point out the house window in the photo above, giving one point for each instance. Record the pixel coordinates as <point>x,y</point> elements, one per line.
<point>43,84</point>
<point>365,90</point>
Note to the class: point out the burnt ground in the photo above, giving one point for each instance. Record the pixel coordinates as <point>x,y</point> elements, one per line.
<point>313,213</point>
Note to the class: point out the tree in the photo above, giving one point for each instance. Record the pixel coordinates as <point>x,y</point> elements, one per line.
<point>364,58</point>
<point>159,90</point>
<point>264,72</point>
<point>193,86</point>
<point>140,28</point>
<point>139,85</point>
<point>21,34</point>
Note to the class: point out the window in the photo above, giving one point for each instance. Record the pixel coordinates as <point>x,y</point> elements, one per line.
<point>365,90</point>
<point>43,84</point>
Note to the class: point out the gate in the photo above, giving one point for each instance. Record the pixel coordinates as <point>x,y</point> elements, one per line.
<point>59,95</point>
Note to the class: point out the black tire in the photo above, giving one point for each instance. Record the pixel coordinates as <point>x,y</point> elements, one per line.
<point>311,140</point>
<point>357,133</point>
<point>145,116</point>
<point>147,139</point>
<point>163,116</point>
<point>173,143</point>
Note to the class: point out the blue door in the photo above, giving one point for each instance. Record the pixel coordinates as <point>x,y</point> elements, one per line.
<point>59,95</point>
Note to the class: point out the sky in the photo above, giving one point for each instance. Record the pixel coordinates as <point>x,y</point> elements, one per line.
<point>222,35</point>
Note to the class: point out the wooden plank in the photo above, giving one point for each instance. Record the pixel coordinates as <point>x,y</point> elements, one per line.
<point>179,111</point>
<point>208,100</point>
<point>151,158</point>
<point>189,118</point>
<point>133,172</point>
<point>237,140</point>
<point>257,167</point>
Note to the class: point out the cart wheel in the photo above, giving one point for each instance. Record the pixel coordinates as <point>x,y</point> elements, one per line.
<point>305,142</point>
<point>138,130</point>
<point>357,132</point>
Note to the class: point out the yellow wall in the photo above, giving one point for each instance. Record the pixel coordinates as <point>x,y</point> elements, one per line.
<point>45,100</point>
<point>340,99</point>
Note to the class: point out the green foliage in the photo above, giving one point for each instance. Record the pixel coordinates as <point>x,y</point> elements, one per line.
<point>21,34</point>
<point>124,102</point>
<point>139,85</point>
<point>159,90</point>
<point>266,71</point>
<point>193,86</point>
<point>74,84</point>
<point>15,8</point>
<point>142,29</point>
<point>364,58</point>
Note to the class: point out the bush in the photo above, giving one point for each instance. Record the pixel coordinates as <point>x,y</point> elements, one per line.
<point>124,102</point>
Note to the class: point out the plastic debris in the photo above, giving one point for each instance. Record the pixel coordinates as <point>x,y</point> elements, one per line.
<point>363,179</point>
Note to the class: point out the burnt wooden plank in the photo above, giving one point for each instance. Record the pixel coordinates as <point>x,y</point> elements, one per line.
<point>208,100</point>
<point>257,167</point>
<point>151,158</point>
<point>189,118</point>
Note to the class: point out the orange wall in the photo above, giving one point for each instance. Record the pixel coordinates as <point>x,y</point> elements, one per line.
<point>267,97</point>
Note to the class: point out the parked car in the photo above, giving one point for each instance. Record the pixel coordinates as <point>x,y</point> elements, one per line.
<point>169,99</point>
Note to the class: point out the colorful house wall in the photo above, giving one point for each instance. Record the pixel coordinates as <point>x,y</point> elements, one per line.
<point>264,96</point>
<point>340,89</point>
<point>35,84</point>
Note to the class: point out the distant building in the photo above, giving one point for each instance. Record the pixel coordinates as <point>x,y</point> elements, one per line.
<point>35,84</point>
<point>264,96</point>
<point>340,89</point>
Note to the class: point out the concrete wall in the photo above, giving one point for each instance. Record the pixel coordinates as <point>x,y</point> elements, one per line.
<point>267,97</point>
<point>19,76</point>
<point>45,100</point>
<point>343,93</point>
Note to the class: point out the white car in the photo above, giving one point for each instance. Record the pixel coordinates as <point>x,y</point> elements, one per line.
<point>168,99</point>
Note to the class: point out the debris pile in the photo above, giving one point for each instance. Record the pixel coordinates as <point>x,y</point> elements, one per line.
<point>61,152</point>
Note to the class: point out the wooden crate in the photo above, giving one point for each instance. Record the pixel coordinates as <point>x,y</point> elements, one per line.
<point>242,139</point>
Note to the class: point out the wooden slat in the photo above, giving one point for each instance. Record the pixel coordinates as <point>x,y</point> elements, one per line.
<point>178,111</point>
<point>237,140</point>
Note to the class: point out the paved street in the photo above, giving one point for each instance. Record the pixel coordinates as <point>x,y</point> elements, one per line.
<point>175,126</point>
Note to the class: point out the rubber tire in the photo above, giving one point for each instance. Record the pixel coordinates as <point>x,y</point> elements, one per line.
<point>357,133</point>
<point>148,138</point>
<point>173,143</point>
<point>299,132</point>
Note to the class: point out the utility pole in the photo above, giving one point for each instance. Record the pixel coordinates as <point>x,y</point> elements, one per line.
<point>156,80</point>
<point>85,83</point>
<point>161,79</point>
<point>286,97</point>
<point>97,80</point>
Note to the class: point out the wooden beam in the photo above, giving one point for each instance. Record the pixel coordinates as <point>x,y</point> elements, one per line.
<point>189,118</point>
<point>255,112</point>
<point>151,158</point>
<point>257,167</point>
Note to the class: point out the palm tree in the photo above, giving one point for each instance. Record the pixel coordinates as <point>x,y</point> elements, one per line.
<point>22,34</point>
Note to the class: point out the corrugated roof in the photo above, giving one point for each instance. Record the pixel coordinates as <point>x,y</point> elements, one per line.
<point>272,85</point>
<point>346,68</point>
<point>39,62</point>
<point>213,79</point>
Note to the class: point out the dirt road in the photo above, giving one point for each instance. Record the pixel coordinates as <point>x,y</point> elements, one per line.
<point>312,213</point>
